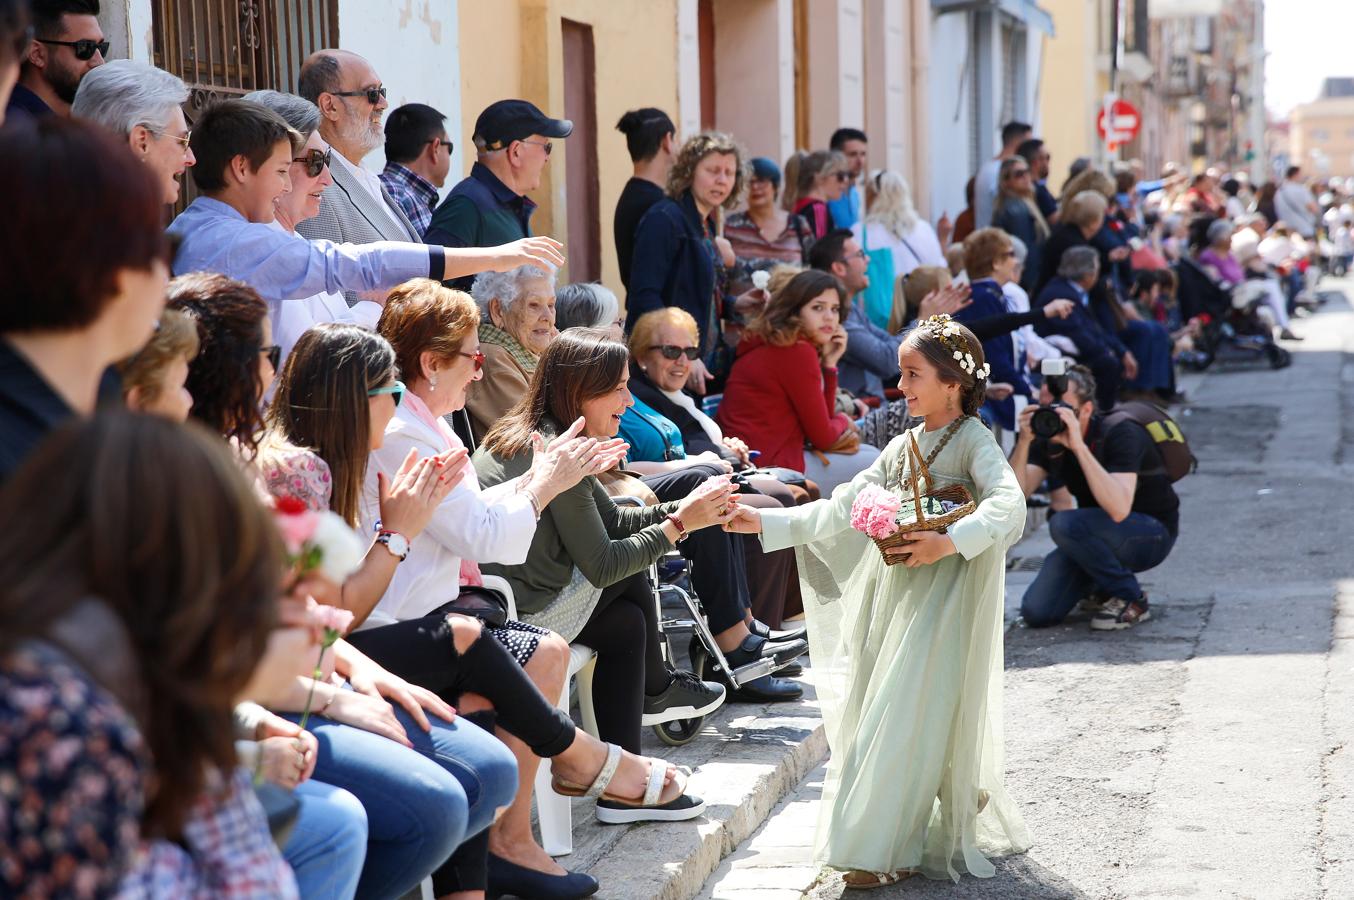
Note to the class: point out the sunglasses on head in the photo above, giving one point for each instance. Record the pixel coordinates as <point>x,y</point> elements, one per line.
<point>396,391</point>
<point>84,50</point>
<point>374,95</point>
<point>672,351</point>
<point>274,355</point>
<point>315,161</point>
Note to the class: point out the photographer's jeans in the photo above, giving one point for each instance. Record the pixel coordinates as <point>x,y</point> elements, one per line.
<point>1093,553</point>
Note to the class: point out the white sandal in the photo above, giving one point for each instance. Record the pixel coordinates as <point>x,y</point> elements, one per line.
<point>617,810</point>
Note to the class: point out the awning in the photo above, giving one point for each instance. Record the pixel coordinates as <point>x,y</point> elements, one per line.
<point>1027,12</point>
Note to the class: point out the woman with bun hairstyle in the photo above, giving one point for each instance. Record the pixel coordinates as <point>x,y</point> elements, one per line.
<point>907,658</point>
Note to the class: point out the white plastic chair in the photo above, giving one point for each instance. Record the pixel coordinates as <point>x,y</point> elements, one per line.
<point>552,809</point>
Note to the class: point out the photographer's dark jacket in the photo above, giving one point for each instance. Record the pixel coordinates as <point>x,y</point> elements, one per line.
<point>1124,447</point>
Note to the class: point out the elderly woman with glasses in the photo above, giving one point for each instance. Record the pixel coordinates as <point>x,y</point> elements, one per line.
<point>517,323</point>
<point>142,105</point>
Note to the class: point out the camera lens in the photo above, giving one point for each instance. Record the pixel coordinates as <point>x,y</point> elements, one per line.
<point>1045,422</point>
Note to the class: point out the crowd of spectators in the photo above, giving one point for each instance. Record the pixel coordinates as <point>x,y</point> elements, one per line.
<point>309,338</point>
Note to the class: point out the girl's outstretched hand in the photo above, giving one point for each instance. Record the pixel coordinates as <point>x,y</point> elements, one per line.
<point>923,548</point>
<point>746,520</point>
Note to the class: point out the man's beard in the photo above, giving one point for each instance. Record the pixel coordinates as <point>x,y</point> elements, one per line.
<point>363,135</point>
<point>65,83</point>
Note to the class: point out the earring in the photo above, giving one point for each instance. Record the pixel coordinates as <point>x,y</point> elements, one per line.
<point>432,382</point>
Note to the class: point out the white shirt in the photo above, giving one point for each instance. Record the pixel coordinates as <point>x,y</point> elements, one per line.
<point>369,180</point>
<point>1018,301</point>
<point>1291,203</point>
<point>925,246</point>
<point>707,424</point>
<point>290,318</point>
<point>489,526</point>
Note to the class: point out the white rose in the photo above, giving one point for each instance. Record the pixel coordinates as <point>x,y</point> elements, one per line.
<point>760,280</point>
<point>341,550</point>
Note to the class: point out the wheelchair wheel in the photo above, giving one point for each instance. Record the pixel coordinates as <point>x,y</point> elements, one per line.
<point>684,731</point>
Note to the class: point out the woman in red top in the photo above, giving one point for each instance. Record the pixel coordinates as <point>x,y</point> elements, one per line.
<point>781,392</point>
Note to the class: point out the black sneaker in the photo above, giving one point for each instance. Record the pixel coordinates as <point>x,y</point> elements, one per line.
<point>755,648</point>
<point>687,697</point>
<point>1119,614</point>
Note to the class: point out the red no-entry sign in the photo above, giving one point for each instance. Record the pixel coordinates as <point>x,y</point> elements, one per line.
<point>1118,122</point>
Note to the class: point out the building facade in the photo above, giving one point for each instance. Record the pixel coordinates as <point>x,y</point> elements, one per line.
<point>1321,133</point>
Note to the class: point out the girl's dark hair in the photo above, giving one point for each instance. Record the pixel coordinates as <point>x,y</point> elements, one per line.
<point>153,522</point>
<point>321,403</point>
<point>778,322</point>
<point>62,269</point>
<point>224,377</point>
<point>939,351</point>
<point>644,130</point>
<point>580,364</point>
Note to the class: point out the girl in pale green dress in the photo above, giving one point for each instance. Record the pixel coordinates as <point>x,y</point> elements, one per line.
<point>908,658</point>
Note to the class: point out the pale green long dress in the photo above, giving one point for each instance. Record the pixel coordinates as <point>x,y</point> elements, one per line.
<point>908,666</point>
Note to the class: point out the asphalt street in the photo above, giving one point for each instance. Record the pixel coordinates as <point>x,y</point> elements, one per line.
<point>1209,752</point>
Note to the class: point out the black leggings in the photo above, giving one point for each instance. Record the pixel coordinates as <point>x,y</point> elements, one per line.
<point>719,575</point>
<point>422,651</point>
<point>623,629</point>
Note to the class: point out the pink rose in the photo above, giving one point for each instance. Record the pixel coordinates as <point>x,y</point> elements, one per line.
<point>330,618</point>
<point>874,511</point>
<point>296,528</point>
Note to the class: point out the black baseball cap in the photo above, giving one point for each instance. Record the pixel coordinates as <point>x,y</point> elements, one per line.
<point>506,121</point>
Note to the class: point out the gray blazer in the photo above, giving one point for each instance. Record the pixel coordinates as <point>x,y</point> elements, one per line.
<point>350,215</point>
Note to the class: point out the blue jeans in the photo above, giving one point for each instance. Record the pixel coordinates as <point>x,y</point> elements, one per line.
<point>422,803</point>
<point>328,842</point>
<point>1093,553</point>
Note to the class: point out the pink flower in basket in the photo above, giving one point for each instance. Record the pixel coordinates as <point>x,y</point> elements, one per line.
<point>874,512</point>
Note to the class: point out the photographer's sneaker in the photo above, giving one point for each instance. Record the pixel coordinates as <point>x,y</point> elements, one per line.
<point>1119,614</point>
<point>1092,603</point>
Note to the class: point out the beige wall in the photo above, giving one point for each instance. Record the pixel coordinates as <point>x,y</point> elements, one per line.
<point>1321,137</point>
<point>755,71</point>
<point>1073,85</point>
<point>513,49</point>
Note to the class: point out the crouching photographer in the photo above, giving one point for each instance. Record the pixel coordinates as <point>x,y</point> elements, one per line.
<point>1127,517</point>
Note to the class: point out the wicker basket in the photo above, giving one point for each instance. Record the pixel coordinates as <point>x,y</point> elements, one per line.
<point>955,493</point>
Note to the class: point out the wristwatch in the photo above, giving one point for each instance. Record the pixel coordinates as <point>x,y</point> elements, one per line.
<point>396,543</point>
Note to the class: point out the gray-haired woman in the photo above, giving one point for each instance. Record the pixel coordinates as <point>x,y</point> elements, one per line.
<point>587,304</point>
<point>142,104</point>
<point>517,323</point>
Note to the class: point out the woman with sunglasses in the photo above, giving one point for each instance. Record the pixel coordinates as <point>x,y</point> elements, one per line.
<point>1018,215</point>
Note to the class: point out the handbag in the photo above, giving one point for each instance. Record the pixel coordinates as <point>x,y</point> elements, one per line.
<point>935,509</point>
<point>878,296</point>
<point>485,604</point>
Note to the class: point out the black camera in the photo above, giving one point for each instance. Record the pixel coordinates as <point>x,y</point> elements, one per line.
<point>1045,421</point>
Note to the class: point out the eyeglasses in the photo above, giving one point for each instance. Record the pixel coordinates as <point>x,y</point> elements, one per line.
<point>672,351</point>
<point>274,355</point>
<point>1016,173</point>
<point>396,391</point>
<point>859,254</point>
<point>84,50</point>
<point>842,176</point>
<point>315,161</point>
<point>477,356</point>
<point>546,144</point>
<point>173,137</point>
<point>374,95</point>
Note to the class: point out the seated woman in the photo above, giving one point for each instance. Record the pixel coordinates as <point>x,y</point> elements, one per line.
<point>517,323</point>
<point>587,304</point>
<point>783,386</point>
<point>764,236</point>
<point>667,431</point>
<point>124,732</point>
<point>153,380</point>
<point>585,570</point>
<point>337,395</point>
<point>1221,264</point>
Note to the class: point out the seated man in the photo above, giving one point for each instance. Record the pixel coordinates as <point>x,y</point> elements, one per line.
<point>1127,517</point>
<point>1100,351</point>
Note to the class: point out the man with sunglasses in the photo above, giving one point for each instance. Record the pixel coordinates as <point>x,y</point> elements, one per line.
<point>490,206</point>
<point>418,158</point>
<point>67,44</point>
<point>356,208</point>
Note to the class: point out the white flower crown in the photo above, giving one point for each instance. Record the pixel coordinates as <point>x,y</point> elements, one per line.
<point>947,331</point>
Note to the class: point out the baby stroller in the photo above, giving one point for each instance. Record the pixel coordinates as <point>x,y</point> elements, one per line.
<point>1234,330</point>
